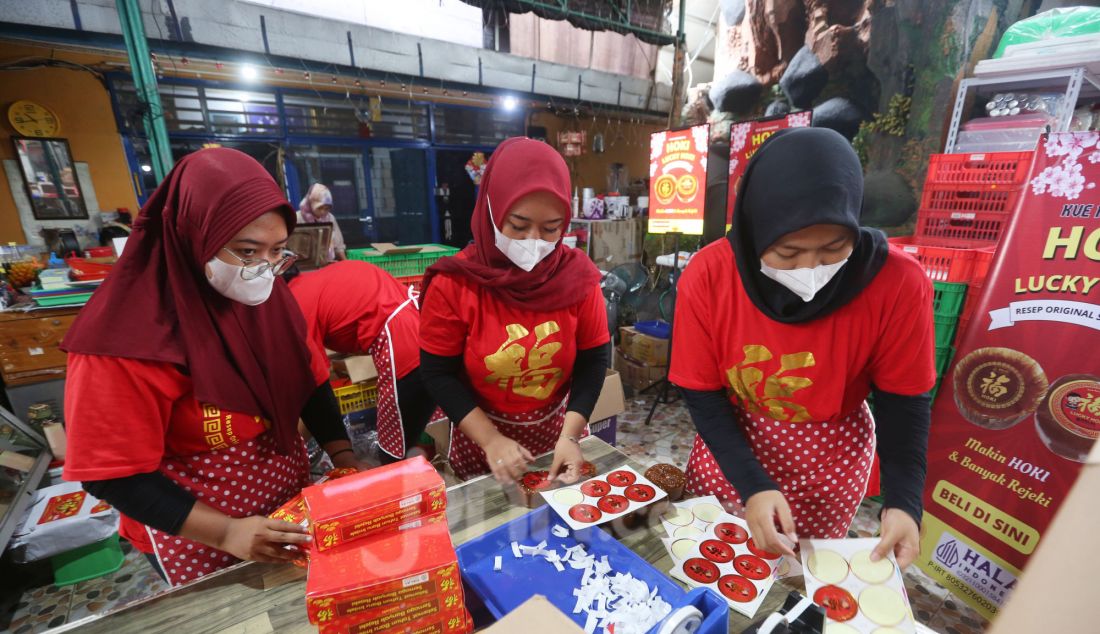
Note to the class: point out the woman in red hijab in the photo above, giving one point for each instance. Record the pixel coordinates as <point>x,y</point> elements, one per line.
<point>513,329</point>
<point>188,371</point>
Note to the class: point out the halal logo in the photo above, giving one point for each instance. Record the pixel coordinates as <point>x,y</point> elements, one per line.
<point>948,553</point>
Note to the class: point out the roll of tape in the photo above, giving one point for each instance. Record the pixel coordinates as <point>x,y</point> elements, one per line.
<point>685,620</point>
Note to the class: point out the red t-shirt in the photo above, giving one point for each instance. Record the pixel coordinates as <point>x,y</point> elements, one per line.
<point>123,417</point>
<point>516,360</point>
<point>346,305</point>
<point>818,370</point>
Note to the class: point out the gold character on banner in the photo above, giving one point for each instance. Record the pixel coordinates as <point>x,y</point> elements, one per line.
<point>994,385</point>
<point>773,397</point>
<point>506,366</point>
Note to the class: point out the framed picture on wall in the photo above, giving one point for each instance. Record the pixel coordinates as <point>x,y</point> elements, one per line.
<point>50,178</point>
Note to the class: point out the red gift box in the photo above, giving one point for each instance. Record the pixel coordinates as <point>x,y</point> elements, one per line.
<point>422,618</point>
<point>295,511</point>
<point>399,567</point>
<point>374,501</point>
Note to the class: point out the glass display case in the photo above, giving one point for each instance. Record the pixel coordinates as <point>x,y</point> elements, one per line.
<point>24,458</point>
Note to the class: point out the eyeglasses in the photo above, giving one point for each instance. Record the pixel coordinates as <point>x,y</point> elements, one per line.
<point>256,268</point>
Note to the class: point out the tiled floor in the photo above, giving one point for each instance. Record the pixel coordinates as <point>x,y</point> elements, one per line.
<point>49,606</point>
<point>667,439</point>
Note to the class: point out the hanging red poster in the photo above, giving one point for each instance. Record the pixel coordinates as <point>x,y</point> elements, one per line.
<point>1020,410</point>
<point>678,180</point>
<point>746,138</point>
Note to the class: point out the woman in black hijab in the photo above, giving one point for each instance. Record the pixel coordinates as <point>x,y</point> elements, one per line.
<point>781,332</point>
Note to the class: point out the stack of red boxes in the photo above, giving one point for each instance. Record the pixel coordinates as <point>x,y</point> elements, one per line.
<point>382,560</point>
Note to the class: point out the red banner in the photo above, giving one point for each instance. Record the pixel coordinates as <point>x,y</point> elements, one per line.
<point>746,138</point>
<point>1020,410</point>
<point>678,180</point>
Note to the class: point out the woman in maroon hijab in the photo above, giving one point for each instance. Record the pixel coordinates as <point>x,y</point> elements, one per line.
<point>513,329</point>
<point>188,371</point>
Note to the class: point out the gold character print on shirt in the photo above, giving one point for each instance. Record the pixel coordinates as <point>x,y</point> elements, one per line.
<point>217,427</point>
<point>506,366</point>
<point>774,399</point>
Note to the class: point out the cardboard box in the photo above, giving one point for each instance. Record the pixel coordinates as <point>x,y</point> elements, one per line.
<point>606,429</point>
<point>401,567</point>
<point>440,431</point>
<point>645,348</point>
<point>637,376</point>
<point>360,368</point>
<point>374,501</point>
<point>611,242</point>
<point>535,616</point>
<point>611,401</point>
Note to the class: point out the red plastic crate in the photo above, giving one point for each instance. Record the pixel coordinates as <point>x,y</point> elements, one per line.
<point>943,264</point>
<point>960,229</point>
<point>987,169</point>
<point>946,264</point>
<point>983,259</point>
<point>969,199</point>
<point>412,280</point>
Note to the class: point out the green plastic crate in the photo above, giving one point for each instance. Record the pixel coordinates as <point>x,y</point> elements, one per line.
<point>404,264</point>
<point>949,297</point>
<point>945,329</point>
<point>87,562</point>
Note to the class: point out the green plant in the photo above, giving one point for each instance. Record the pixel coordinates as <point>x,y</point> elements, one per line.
<point>894,121</point>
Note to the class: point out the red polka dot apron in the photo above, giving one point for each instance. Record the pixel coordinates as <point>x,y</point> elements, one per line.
<point>821,468</point>
<point>248,479</point>
<point>391,432</point>
<point>538,431</point>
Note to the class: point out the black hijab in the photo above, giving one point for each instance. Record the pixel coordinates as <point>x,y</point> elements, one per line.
<point>798,178</point>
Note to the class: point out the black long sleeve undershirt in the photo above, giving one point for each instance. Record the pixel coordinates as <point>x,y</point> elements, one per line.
<point>150,498</point>
<point>442,375</point>
<point>321,415</point>
<point>902,424</point>
<point>901,427</point>
<point>589,371</point>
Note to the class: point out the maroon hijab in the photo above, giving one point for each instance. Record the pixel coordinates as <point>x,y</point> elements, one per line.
<point>157,304</point>
<point>519,167</point>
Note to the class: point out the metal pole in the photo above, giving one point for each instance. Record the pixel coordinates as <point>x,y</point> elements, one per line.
<point>660,397</point>
<point>145,83</point>
<point>678,70</point>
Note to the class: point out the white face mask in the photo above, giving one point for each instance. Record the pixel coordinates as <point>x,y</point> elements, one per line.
<point>226,279</point>
<point>523,253</point>
<point>803,282</point>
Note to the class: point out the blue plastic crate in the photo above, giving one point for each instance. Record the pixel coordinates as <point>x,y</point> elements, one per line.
<point>659,329</point>
<point>520,579</point>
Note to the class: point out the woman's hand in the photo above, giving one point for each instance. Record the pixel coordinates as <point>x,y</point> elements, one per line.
<point>762,511</point>
<point>900,535</point>
<point>568,459</point>
<point>259,538</point>
<point>507,458</point>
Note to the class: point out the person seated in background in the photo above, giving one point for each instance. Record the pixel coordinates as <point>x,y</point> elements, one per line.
<point>316,207</point>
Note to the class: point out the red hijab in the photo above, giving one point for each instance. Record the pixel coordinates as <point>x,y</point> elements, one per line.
<point>157,304</point>
<point>519,167</point>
